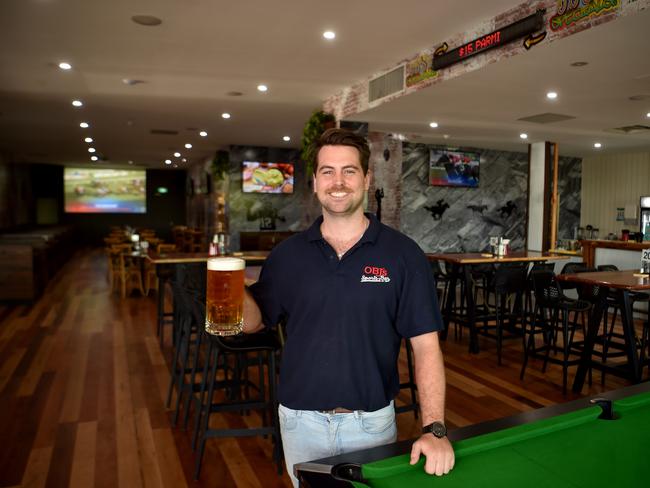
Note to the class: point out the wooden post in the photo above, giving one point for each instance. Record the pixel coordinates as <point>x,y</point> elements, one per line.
<point>555,204</point>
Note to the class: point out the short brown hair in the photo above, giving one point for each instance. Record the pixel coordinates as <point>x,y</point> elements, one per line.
<point>341,137</point>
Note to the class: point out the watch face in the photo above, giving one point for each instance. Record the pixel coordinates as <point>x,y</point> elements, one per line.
<point>436,428</point>
<point>439,430</point>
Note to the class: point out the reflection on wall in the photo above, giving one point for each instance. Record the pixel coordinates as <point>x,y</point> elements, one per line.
<point>257,211</point>
<point>443,219</point>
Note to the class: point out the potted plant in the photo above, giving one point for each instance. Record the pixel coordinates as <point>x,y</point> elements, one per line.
<point>220,165</point>
<point>315,126</point>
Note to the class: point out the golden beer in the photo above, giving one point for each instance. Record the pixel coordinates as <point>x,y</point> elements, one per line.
<point>225,296</point>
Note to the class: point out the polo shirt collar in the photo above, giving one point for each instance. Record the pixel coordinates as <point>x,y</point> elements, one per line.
<point>371,234</point>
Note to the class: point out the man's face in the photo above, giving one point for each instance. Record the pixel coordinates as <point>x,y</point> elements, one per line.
<point>339,182</point>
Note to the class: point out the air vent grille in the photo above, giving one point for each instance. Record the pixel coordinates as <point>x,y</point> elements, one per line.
<point>631,129</point>
<point>547,118</point>
<point>164,132</point>
<point>384,85</point>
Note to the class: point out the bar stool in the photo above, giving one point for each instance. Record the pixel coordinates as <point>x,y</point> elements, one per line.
<point>187,338</point>
<point>551,316</point>
<point>507,284</point>
<point>410,384</point>
<point>230,355</point>
<point>612,339</point>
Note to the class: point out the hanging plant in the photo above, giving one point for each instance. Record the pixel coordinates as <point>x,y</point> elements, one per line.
<point>315,126</point>
<point>220,165</point>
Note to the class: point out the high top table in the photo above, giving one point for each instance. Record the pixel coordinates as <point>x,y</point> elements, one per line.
<point>623,283</point>
<point>162,262</point>
<point>461,265</point>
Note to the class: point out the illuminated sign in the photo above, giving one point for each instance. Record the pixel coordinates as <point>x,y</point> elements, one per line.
<point>419,69</point>
<point>494,39</point>
<point>571,12</point>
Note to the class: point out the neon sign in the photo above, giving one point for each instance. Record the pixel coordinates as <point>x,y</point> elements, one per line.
<point>494,39</point>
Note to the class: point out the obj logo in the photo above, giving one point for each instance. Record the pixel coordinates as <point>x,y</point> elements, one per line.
<point>374,274</point>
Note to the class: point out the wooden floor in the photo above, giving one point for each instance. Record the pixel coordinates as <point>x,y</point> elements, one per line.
<point>83,381</point>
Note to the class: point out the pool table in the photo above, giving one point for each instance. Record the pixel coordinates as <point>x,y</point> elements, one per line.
<point>591,442</point>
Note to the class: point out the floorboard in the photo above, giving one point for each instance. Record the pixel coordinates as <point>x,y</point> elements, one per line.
<point>83,381</point>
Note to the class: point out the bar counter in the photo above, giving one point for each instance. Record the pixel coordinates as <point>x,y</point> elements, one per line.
<point>589,248</point>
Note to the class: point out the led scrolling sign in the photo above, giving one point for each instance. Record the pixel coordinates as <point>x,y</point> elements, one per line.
<point>498,38</point>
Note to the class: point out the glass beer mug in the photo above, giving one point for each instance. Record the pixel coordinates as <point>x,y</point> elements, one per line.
<point>225,296</point>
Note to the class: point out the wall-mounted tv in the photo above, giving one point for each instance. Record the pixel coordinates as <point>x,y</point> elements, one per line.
<point>259,177</point>
<point>454,168</point>
<point>88,190</point>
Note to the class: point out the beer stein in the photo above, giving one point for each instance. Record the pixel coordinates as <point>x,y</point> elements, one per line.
<point>225,296</point>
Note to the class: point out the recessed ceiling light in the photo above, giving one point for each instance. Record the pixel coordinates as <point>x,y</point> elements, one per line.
<point>446,136</point>
<point>91,149</point>
<point>65,66</point>
<point>88,139</point>
<point>132,81</point>
<point>147,20</point>
<point>286,138</point>
<point>523,135</point>
<point>597,145</point>
<point>433,125</point>
<point>579,64</point>
<point>184,160</point>
<point>203,133</point>
<point>188,146</point>
<point>177,155</point>
<point>225,115</point>
<point>262,88</point>
<point>84,125</point>
<point>648,115</point>
<point>175,166</point>
<point>168,161</point>
<point>551,95</point>
<point>329,35</point>
<point>77,103</point>
<point>94,158</point>
<point>130,162</point>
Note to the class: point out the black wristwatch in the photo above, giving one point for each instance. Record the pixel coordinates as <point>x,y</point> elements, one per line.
<point>438,429</point>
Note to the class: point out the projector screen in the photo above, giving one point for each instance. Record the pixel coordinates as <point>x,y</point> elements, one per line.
<point>89,190</point>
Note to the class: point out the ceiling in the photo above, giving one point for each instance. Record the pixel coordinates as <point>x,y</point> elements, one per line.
<point>205,49</point>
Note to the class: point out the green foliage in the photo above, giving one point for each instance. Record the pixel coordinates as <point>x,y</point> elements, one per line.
<point>220,165</point>
<point>314,127</point>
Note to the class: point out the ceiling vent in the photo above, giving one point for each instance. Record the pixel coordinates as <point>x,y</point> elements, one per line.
<point>547,118</point>
<point>164,132</point>
<point>630,129</point>
<point>384,85</point>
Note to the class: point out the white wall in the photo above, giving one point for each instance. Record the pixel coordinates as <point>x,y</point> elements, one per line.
<point>536,196</point>
<point>609,182</point>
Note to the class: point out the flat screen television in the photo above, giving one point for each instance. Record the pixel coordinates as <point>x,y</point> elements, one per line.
<point>89,190</point>
<point>454,168</point>
<point>260,177</point>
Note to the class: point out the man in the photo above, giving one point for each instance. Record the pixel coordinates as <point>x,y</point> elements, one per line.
<point>349,288</point>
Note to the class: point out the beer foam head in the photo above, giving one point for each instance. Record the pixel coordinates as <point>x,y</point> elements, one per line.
<point>226,264</point>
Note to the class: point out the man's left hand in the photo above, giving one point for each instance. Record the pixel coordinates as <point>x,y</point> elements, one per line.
<point>438,452</point>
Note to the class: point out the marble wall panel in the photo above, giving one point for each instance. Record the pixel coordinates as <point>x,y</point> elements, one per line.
<point>471,215</point>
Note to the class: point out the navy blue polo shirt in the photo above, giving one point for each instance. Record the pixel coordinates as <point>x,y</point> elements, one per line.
<point>345,319</point>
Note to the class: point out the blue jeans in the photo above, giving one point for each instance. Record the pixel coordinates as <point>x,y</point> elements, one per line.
<point>308,435</point>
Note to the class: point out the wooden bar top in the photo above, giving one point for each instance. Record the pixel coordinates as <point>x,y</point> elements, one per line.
<point>251,257</point>
<point>479,258</point>
<point>589,248</point>
<point>623,280</point>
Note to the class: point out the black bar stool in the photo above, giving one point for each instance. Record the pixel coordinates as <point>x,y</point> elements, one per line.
<point>232,356</point>
<point>550,317</point>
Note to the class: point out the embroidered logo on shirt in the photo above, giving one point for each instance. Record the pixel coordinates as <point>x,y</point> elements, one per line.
<point>374,274</point>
